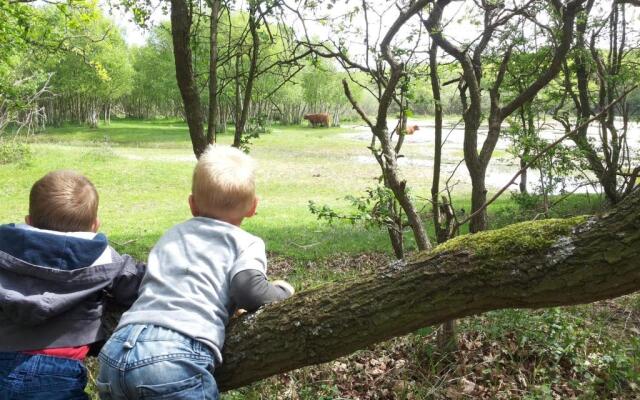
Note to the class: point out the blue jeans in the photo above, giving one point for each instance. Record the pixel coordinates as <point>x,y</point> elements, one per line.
<point>152,362</point>
<point>36,377</point>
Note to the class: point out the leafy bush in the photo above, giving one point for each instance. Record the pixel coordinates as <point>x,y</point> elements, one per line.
<point>12,151</point>
<point>526,201</point>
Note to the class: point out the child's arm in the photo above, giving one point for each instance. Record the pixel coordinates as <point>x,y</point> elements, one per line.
<point>124,289</point>
<point>250,290</point>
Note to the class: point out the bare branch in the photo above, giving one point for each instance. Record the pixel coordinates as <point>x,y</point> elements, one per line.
<point>355,105</point>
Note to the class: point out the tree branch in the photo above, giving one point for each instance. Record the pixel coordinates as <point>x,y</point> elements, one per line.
<point>532,265</point>
<point>569,13</point>
<point>355,105</point>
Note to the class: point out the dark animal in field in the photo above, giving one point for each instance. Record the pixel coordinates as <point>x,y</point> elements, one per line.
<point>321,119</point>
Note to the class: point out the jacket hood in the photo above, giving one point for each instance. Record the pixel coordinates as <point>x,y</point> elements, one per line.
<point>45,273</point>
<point>58,250</point>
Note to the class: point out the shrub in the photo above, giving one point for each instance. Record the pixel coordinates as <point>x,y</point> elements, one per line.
<point>12,151</point>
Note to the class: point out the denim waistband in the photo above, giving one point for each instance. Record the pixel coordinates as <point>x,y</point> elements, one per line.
<point>129,335</point>
<point>43,364</point>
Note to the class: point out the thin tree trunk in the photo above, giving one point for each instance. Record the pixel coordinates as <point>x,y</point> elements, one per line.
<point>236,112</point>
<point>248,89</point>
<point>397,185</point>
<point>447,332</point>
<point>441,236</point>
<point>213,72</point>
<point>480,221</point>
<point>181,19</point>
<point>397,242</point>
<point>523,176</point>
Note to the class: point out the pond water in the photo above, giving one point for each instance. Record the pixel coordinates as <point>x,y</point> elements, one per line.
<point>418,152</point>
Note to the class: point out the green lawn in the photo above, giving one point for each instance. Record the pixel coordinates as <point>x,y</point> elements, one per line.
<point>143,170</point>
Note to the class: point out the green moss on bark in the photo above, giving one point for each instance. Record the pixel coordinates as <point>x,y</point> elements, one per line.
<point>525,237</point>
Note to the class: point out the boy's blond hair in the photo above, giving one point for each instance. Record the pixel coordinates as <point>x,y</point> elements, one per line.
<point>63,201</point>
<point>224,183</point>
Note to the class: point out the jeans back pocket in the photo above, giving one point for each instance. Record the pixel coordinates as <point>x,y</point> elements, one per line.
<point>188,389</point>
<point>104,389</point>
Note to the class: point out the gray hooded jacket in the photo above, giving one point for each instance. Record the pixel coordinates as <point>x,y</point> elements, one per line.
<point>54,287</point>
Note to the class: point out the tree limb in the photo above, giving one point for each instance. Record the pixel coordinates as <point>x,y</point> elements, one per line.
<point>569,12</point>
<point>354,104</point>
<point>532,265</point>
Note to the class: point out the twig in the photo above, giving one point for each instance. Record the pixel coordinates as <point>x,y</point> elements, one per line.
<point>125,243</point>
<point>305,246</point>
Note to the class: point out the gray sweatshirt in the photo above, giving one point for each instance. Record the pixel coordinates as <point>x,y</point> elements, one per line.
<point>197,274</point>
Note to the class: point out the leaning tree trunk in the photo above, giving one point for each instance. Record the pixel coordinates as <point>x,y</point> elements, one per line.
<point>212,126</point>
<point>242,115</point>
<point>532,265</point>
<point>181,20</point>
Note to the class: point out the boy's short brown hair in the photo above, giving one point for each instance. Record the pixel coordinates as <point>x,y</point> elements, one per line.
<point>63,201</point>
<point>224,182</point>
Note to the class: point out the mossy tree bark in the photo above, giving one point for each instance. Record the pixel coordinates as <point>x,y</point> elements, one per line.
<point>532,265</point>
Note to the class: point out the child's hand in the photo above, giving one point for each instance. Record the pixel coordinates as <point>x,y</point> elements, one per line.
<point>238,313</point>
<point>285,285</point>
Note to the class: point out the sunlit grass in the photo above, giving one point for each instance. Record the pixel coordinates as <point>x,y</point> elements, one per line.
<point>144,188</point>
<point>142,170</point>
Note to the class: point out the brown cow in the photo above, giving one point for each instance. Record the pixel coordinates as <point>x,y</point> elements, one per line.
<point>411,129</point>
<point>321,119</point>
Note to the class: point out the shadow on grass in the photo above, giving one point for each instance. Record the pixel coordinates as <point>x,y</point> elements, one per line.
<point>316,241</point>
<point>123,132</point>
<point>296,243</point>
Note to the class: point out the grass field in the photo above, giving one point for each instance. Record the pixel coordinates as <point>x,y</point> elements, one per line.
<point>143,173</point>
<point>142,170</point>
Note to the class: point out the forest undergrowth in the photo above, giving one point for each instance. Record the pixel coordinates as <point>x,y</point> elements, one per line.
<point>581,352</point>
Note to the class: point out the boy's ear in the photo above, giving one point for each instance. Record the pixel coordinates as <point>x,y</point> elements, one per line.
<point>96,225</point>
<point>193,206</point>
<point>253,209</point>
<point>27,219</point>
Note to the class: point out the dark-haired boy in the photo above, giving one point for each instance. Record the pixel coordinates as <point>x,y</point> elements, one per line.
<point>56,274</point>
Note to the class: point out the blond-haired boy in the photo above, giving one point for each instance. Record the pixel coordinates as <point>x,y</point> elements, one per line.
<point>56,275</point>
<point>199,272</point>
